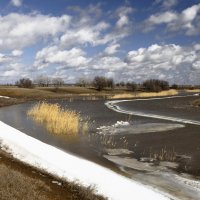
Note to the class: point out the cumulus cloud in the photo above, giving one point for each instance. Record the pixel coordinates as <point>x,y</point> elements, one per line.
<point>4,58</point>
<point>84,35</point>
<point>171,62</point>
<point>87,31</point>
<point>16,3</point>
<point>72,58</point>
<point>21,30</point>
<point>122,14</point>
<point>108,63</point>
<point>187,21</point>
<point>17,52</point>
<point>166,4</point>
<point>10,66</point>
<point>112,49</point>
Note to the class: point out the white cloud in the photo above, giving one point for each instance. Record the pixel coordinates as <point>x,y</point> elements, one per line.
<point>123,13</point>
<point>20,30</point>
<point>84,35</point>
<point>111,49</point>
<point>23,30</point>
<point>16,3</point>
<point>172,62</point>
<point>4,58</point>
<point>186,21</point>
<point>72,58</point>
<point>166,4</point>
<point>161,18</point>
<point>123,20</point>
<point>108,63</point>
<point>169,3</point>
<point>17,52</point>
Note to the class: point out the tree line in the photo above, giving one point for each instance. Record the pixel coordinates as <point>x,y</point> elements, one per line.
<point>100,83</point>
<point>42,81</point>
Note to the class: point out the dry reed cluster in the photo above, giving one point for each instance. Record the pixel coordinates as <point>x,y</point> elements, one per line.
<point>55,119</point>
<point>192,91</point>
<point>145,94</point>
<point>164,155</point>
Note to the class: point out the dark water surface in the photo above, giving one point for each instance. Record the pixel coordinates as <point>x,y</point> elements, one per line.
<point>173,107</point>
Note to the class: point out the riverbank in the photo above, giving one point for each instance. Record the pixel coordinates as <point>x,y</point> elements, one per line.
<point>72,168</point>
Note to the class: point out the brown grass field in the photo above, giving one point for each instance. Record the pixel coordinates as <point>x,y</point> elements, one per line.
<point>42,93</point>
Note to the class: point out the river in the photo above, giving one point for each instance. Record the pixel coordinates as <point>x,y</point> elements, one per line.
<point>122,134</point>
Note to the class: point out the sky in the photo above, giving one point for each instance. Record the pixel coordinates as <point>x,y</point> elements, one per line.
<point>127,40</point>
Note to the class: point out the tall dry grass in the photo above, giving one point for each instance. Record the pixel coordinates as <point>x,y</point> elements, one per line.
<point>15,185</point>
<point>145,94</point>
<point>55,119</point>
<point>194,90</point>
<point>164,155</point>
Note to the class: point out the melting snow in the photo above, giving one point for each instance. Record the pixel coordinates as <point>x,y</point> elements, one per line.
<point>4,97</point>
<point>113,106</point>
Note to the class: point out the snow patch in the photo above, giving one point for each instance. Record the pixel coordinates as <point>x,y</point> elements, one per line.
<point>194,184</point>
<point>116,152</point>
<point>4,97</point>
<point>126,128</point>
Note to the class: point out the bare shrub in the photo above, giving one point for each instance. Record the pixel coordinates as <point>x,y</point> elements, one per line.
<point>24,83</point>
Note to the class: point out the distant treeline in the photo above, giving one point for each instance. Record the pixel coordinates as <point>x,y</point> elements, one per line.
<point>101,83</point>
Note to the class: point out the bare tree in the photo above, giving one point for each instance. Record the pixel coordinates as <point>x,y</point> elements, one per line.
<point>57,82</point>
<point>83,82</point>
<point>43,81</point>
<point>110,83</point>
<point>132,86</point>
<point>25,83</point>
<point>99,82</point>
<point>154,85</point>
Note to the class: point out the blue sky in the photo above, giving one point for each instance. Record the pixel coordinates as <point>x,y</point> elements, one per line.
<point>128,40</point>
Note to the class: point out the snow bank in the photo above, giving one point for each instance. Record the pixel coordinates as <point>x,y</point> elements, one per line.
<point>72,168</point>
<point>4,97</point>
<point>113,106</point>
